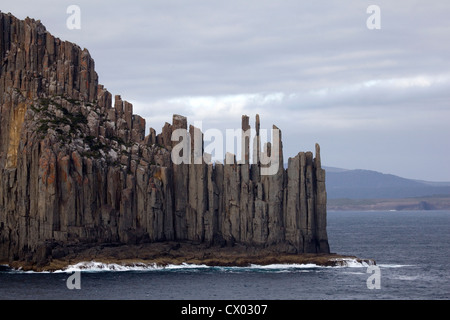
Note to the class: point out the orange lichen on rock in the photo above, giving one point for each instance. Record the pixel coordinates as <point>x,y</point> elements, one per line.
<point>15,128</point>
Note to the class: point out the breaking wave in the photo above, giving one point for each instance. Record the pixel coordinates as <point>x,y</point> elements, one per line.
<point>352,263</point>
<point>93,266</point>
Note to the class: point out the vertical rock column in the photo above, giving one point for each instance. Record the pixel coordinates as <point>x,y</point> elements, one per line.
<point>231,197</point>
<point>260,223</point>
<point>247,186</point>
<point>321,205</point>
<point>180,185</point>
<point>211,217</point>
<point>292,211</point>
<point>309,239</point>
<point>197,191</point>
<point>274,189</point>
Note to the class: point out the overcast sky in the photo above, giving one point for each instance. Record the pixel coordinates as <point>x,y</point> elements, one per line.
<point>373,99</point>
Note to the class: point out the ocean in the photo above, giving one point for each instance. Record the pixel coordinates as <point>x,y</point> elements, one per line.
<point>411,250</point>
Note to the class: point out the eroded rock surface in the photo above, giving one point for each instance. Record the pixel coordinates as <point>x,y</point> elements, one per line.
<point>76,168</point>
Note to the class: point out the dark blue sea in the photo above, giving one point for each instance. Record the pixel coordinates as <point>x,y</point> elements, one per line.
<point>411,250</point>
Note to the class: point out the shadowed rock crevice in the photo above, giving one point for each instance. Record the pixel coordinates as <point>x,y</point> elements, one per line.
<point>78,170</point>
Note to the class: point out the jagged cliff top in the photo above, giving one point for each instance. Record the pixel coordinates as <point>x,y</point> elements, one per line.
<point>79,175</point>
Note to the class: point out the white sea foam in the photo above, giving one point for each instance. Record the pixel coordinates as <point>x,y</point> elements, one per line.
<point>95,266</point>
<point>276,266</point>
<point>352,263</point>
<point>183,266</point>
<point>394,265</point>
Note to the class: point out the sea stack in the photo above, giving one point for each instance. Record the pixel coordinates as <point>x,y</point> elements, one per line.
<point>76,168</point>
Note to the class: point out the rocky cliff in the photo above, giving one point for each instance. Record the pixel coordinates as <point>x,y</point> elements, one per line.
<point>77,168</point>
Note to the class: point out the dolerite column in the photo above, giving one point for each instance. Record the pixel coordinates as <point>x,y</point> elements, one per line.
<point>232,187</point>
<point>309,237</point>
<point>180,185</point>
<point>198,192</point>
<point>211,217</point>
<point>274,184</point>
<point>255,167</point>
<point>292,204</point>
<point>247,186</point>
<point>321,205</point>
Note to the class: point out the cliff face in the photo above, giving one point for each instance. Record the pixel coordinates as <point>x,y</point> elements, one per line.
<point>76,167</point>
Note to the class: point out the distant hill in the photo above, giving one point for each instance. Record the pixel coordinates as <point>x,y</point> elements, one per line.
<point>416,203</point>
<point>367,184</point>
